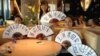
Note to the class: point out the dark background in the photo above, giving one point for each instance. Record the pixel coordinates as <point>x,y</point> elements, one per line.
<point>93,12</point>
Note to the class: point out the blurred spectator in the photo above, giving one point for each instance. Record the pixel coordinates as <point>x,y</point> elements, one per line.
<point>79,21</point>
<point>65,45</point>
<point>54,22</point>
<point>43,8</point>
<point>91,23</point>
<point>69,26</point>
<point>18,20</point>
<point>17,36</point>
<point>54,25</point>
<point>41,36</point>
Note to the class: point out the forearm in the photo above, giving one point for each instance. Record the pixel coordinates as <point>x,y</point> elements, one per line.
<point>17,8</point>
<point>95,30</point>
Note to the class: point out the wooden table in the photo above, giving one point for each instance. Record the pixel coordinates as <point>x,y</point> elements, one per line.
<point>1,33</point>
<point>30,47</point>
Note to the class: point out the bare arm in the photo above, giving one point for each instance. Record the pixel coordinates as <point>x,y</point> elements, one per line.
<point>95,30</point>
<point>17,8</point>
